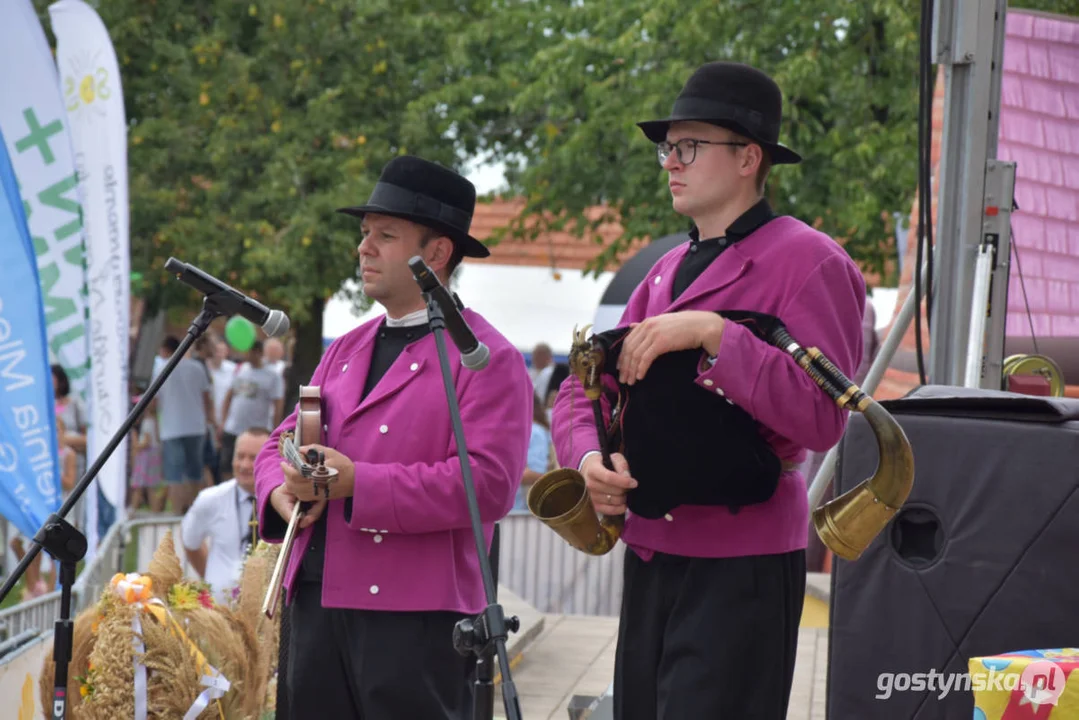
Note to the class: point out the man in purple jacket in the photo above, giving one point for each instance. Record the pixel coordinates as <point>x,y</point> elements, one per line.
<point>380,574</point>
<point>713,591</point>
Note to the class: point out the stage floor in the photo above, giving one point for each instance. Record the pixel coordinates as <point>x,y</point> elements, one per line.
<point>574,655</point>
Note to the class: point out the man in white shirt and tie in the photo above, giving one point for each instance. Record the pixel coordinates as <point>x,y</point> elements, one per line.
<point>218,531</point>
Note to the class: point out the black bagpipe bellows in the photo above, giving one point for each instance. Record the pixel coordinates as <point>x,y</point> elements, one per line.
<point>684,444</point>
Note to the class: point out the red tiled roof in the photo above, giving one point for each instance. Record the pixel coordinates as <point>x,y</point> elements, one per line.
<point>560,249</point>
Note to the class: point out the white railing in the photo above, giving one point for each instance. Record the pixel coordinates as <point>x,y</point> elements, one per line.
<point>31,615</point>
<point>108,561</point>
<point>542,568</point>
<point>40,614</point>
<point>148,534</point>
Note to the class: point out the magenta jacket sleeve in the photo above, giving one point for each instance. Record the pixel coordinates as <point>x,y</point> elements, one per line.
<point>573,424</point>
<point>825,312</point>
<point>268,473</point>
<point>496,415</point>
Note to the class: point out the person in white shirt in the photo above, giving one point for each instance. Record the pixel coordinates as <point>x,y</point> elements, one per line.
<point>255,399</point>
<point>222,371</point>
<point>542,367</point>
<point>218,531</point>
<point>185,412</point>
<point>274,359</point>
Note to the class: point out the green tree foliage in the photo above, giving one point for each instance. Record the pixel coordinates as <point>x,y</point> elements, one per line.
<point>557,92</point>
<point>251,122</point>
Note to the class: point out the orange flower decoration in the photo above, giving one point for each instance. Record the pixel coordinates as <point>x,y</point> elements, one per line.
<point>132,588</point>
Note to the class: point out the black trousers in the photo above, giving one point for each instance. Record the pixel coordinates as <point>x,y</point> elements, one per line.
<point>374,665</point>
<point>224,454</point>
<point>708,639</point>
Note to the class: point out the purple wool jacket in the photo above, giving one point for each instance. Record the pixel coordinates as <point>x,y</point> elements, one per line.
<point>409,544</point>
<point>784,268</point>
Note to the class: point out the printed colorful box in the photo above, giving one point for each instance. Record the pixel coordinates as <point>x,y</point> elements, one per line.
<point>1026,685</point>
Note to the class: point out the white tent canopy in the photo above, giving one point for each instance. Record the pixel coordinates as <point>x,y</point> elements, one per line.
<point>526,304</point>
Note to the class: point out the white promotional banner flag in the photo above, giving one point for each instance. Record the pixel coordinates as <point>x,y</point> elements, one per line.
<point>35,131</point>
<point>90,80</point>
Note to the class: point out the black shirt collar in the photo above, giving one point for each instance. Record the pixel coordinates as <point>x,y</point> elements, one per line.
<point>746,223</point>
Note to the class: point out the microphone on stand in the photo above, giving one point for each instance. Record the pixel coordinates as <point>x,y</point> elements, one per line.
<point>483,635</point>
<point>62,540</point>
<point>474,354</point>
<point>230,301</point>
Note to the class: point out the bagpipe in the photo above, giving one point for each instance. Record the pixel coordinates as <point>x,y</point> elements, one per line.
<point>689,446</point>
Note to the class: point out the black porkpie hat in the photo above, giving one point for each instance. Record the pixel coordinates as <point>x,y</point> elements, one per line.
<point>428,194</point>
<point>734,96</point>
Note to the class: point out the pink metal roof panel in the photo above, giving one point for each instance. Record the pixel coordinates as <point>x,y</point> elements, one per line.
<point>1039,131</point>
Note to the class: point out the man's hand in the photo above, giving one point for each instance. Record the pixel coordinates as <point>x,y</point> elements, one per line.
<point>606,488</point>
<point>665,333</point>
<point>304,489</point>
<point>283,501</point>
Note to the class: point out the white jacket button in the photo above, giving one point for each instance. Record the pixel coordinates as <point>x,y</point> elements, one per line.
<point>414,367</point>
<point>378,538</point>
<point>374,589</point>
<point>384,429</point>
<point>668,517</point>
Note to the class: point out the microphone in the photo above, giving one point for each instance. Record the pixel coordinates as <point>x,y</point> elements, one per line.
<point>474,354</point>
<point>230,301</point>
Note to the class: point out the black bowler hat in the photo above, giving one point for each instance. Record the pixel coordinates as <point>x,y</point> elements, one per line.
<point>734,96</point>
<point>428,194</point>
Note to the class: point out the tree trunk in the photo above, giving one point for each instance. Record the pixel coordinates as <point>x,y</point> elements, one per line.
<point>306,353</point>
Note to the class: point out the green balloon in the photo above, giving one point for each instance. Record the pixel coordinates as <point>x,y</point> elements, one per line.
<point>240,332</point>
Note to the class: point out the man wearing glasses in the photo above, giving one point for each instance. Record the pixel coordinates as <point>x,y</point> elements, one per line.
<point>713,593</point>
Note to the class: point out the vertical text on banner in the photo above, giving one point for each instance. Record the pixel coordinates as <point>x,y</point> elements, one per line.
<point>29,481</point>
<point>38,143</point>
<point>93,99</point>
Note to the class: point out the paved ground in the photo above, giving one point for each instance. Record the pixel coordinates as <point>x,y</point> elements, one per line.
<point>574,655</point>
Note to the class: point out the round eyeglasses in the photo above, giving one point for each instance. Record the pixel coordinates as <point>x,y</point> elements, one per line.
<point>686,148</point>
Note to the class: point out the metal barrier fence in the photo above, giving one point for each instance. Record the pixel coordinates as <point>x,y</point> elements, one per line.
<point>540,567</point>
<point>31,615</point>
<point>148,533</point>
<point>534,562</point>
<point>41,613</point>
<point>109,560</point>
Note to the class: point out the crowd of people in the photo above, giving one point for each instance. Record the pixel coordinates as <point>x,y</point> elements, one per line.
<point>196,444</point>
<point>185,442</point>
<point>187,437</point>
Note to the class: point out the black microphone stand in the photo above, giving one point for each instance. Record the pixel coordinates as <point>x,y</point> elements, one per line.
<point>65,543</point>
<point>485,634</point>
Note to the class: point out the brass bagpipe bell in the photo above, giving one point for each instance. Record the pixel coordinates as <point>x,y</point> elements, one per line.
<point>559,498</point>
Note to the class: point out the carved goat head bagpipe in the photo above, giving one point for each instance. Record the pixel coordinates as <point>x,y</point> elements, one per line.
<point>686,446</point>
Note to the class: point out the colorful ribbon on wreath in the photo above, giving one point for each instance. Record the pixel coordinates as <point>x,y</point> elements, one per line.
<point>135,589</point>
